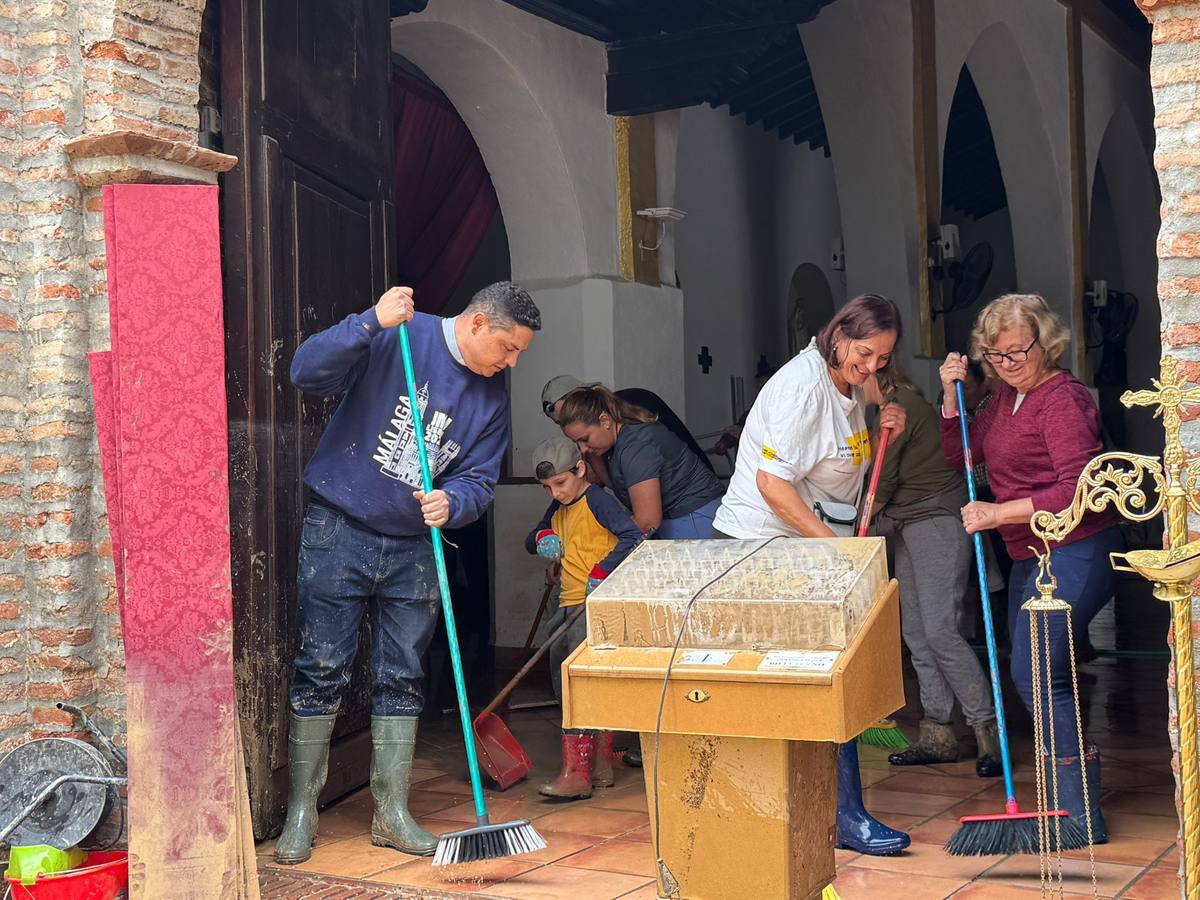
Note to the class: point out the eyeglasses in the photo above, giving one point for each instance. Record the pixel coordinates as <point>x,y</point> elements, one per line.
<point>1016,357</point>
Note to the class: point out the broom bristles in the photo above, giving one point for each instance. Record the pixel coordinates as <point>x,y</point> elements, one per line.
<point>487,842</point>
<point>887,734</point>
<point>1004,834</point>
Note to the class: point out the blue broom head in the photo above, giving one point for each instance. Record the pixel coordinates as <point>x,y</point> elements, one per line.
<point>487,842</point>
<point>1004,834</point>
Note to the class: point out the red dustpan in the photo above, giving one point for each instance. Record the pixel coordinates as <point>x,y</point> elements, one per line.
<point>500,754</point>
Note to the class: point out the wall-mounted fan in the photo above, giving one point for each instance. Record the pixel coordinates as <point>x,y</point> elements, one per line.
<point>967,276</point>
<point>1112,313</point>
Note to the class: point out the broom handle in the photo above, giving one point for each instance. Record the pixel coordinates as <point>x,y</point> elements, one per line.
<point>885,435</point>
<point>988,627</point>
<point>533,661</point>
<point>439,558</point>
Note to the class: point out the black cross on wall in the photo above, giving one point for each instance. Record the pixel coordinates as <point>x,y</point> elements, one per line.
<point>705,360</point>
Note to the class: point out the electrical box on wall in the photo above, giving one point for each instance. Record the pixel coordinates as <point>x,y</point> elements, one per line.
<point>948,242</point>
<point>837,256</point>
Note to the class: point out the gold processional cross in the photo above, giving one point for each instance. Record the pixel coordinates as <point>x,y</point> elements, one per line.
<point>1119,479</point>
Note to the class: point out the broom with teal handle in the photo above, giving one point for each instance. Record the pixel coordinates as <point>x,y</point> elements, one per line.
<point>1011,831</point>
<point>485,840</point>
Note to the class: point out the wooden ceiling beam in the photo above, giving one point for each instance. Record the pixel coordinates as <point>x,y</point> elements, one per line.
<point>697,47</point>
<point>763,93</point>
<point>748,94</point>
<point>683,69</point>
<point>561,14</point>
<point>1132,43</point>
<point>810,117</point>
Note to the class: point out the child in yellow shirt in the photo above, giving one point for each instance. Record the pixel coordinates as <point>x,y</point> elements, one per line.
<point>588,533</point>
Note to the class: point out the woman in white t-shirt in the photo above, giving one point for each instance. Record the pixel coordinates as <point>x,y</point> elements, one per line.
<point>799,473</point>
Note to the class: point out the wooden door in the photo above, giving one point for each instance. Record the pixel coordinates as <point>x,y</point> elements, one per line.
<point>306,218</point>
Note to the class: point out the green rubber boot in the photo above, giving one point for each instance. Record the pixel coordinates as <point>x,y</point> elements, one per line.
<point>308,763</point>
<point>393,739</point>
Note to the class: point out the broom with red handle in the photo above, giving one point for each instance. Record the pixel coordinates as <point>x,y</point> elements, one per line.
<point>1011,831</point>
<point>884,733</point>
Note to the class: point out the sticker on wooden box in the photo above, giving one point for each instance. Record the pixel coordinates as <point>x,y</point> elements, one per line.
<point>705,658</point>
<point>808,660</point>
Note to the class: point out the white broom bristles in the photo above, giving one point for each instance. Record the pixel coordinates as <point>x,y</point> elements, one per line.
<point>487,842</point>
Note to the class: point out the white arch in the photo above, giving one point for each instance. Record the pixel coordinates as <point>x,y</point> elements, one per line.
<point>1133,184</point>
<point>518,141</point>
<point>1038,208</point>
<point>1133,190</point>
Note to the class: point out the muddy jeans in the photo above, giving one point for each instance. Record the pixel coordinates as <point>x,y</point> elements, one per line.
<point>346,570</point>
<point>1085,580</point>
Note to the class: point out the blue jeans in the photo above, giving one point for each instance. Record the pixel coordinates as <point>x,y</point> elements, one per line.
<point>345,570</point>
<point>697,525</point>
<point>1085,580</point>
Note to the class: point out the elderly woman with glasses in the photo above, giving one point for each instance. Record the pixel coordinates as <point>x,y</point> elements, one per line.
<point>1036,435</point>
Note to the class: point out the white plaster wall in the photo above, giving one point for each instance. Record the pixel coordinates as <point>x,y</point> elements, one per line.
<point>518,578</point>
<point>1133,193</point>
<point>1119,125</point>
<point>773,207</point>
<point>1111,81</point>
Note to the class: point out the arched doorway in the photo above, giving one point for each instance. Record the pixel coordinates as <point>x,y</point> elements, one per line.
<point>538,199</point>
<point>975,200</point>
<point>450,234</point>
<point>1123,333</point>
<point>809,306</point>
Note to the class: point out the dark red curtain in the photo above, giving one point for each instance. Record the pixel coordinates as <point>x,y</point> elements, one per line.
<point>444,196</point>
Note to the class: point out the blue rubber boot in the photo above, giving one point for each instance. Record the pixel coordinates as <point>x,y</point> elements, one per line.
<point>1070,793</point>
<point>857,829</point>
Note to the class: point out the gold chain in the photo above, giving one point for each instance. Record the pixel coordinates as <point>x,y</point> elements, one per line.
<point>1057,858</point>
<point>1087,805</point>
<point>1039,775</point>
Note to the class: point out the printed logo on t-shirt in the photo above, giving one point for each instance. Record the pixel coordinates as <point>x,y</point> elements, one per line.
<point>397,450</point>
<point>859,449</point>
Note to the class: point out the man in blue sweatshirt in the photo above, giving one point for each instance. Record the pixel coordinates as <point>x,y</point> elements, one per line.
<point>365,542</point>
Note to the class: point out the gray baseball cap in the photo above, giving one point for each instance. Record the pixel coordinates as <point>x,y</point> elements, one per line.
<point>557,388</point>
<point>553,457</point>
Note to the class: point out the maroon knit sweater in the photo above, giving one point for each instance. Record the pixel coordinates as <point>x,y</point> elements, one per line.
<point>1038,452</point>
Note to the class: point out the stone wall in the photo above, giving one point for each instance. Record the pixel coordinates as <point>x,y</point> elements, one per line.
<point>67,69</point>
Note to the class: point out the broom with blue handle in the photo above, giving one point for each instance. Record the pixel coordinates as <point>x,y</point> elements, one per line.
<point>1011,831</point>
<point>485,840</point>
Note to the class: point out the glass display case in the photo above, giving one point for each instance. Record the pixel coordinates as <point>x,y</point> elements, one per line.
<point>784,594</point>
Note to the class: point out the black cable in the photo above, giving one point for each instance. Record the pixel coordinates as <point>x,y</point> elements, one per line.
<point>662,700</point>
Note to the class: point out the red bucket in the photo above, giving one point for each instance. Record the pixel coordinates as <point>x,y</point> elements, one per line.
<point>104,876</point>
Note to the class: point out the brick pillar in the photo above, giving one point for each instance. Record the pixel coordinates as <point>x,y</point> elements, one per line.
<point>121,75</point>
<point>1175,78</point>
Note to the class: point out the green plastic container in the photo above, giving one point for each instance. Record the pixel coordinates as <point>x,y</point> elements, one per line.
<point>25,864</point>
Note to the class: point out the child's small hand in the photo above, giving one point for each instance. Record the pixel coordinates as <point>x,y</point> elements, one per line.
<point>549,545</point>
<point>595,578</point>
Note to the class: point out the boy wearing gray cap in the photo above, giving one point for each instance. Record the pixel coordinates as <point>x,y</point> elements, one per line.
<point>588,533</point>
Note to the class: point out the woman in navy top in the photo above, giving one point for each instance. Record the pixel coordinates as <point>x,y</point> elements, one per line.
<point>670,492</point>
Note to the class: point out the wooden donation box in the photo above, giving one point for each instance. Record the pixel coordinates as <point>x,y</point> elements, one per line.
<point>791,647</point>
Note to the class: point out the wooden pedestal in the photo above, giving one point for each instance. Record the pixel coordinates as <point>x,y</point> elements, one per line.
<point>747,771</point>
<point>740,817</point>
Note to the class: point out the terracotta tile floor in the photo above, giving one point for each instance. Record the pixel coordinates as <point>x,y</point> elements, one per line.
<point>600,848</point>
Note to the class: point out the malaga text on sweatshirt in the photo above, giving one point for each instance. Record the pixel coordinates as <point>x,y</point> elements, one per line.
<point>366,462</point>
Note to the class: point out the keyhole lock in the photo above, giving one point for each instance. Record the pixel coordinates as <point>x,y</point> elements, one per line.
<point>697,696</point>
